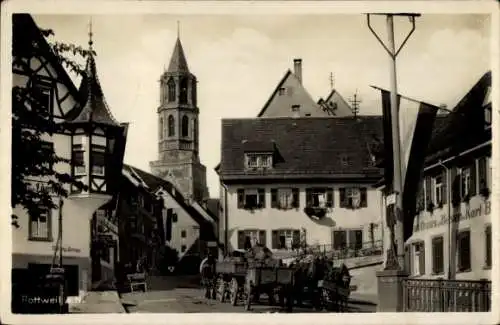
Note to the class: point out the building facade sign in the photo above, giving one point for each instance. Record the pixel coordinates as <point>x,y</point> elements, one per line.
<point>471,213</point>
<point>67,249</point>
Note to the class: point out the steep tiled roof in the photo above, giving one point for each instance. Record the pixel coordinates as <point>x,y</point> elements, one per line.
<point>321,146</point>
<point>94,106</point>
<point>464,127</point>
<point>154,183</point>
<point>178,62</point>
<point>213,206</point>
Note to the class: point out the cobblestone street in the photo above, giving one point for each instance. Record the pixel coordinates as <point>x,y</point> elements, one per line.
<point>182,295</point>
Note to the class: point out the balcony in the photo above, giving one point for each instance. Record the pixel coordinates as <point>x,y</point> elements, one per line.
<point>446,295</point>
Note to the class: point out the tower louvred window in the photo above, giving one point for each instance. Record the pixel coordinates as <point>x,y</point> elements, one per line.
<point>183,96</point>
<point>171,126</point>
<point>185,126</point>
<point>171,90</point>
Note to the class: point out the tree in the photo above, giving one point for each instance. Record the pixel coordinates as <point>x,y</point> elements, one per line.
<point>32,158</point>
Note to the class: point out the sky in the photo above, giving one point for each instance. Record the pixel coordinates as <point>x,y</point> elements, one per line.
<point>239,60</point>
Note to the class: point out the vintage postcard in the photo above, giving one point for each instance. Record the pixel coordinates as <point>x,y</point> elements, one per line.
<point>243,159</point>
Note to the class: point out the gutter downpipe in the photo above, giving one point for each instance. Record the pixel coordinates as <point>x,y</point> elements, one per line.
<point>448,199</point>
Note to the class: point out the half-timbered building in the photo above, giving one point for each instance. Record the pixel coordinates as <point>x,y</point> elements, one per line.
<point>91,139</point>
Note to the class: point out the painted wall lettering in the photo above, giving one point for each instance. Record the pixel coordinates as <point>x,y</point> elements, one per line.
<point>68,249</point>
<point>483,209</point>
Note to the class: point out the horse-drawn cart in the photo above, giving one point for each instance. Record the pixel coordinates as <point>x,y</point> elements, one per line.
<point>270,280</point>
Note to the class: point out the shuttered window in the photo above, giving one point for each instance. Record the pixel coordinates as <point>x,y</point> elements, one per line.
<point>464,259</point>
<point>339,239</point>
<point>437,255</point>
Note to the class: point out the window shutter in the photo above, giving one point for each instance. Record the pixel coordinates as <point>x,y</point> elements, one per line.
<point>296,238</point>
<point>309,198</point>
<point>364,199</point>
<point>241,239</point>
<point>274,239</point>
<point>262,197</point>
<point>428,190</point>
<point>241,198</point>
<point>262,237</point>
<point>274,198</point>
<point>473,178</point>
<point>422,258</point>
<point>329,197</point>
<point>444,188</point>
<point>296,198</point>
<point>343,202</point>
<point>482,173</point>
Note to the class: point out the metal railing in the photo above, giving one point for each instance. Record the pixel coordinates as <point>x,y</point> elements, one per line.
<point>371,248</point>
<point>446,295</point>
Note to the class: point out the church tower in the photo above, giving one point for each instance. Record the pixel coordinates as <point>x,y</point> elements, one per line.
<point>178,132</point>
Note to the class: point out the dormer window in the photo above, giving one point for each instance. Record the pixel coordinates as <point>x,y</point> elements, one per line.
<point>295,108</point>
<point>254,160</point>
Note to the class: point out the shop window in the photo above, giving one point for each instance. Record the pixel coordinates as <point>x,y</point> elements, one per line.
<point>437,255</point>
<point>463,251</point>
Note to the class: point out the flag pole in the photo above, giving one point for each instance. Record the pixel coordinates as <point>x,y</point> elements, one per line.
<point>395,258</point>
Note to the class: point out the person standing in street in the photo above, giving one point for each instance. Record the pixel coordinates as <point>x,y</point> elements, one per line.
<point>207,271</point>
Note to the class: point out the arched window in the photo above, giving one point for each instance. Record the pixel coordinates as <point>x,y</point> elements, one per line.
<point>185,126</point>
<point>171,126</point>
<point>171,90</point>
<point>195,131</point>
<point>183,96</point>
<point>160,130</point>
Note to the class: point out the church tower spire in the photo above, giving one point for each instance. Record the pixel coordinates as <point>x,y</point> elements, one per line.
<point>178,131</point>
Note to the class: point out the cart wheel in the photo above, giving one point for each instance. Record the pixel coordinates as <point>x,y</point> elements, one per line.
<point>249,290</point>
<point>234,291</point>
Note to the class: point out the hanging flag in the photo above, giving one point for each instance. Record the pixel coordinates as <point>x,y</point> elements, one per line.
<point>416,122</point>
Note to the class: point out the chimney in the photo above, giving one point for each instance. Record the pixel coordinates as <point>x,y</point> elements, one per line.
<point>297,69</point>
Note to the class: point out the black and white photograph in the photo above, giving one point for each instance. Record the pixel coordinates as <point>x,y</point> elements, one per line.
<point>324,161</point>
